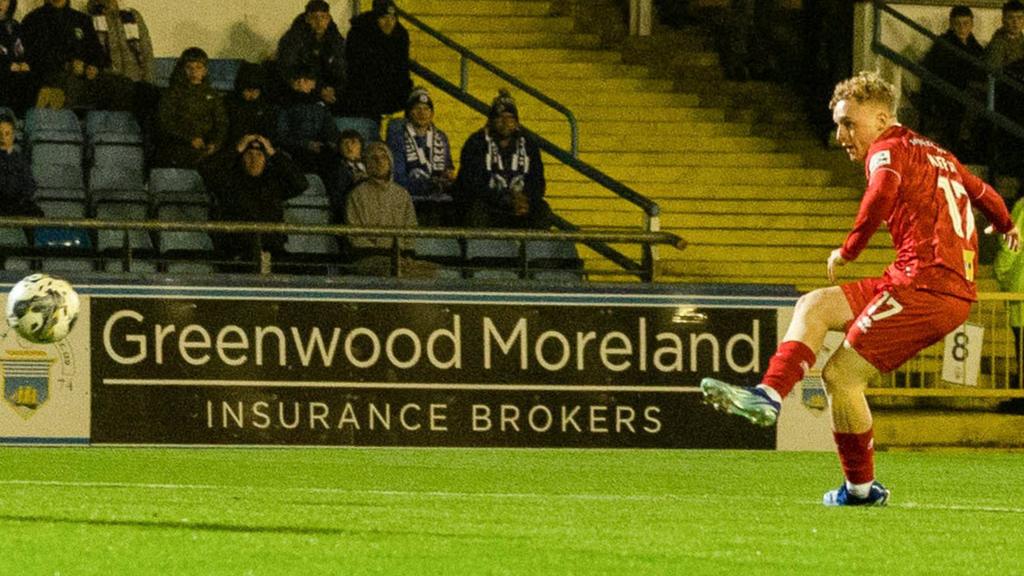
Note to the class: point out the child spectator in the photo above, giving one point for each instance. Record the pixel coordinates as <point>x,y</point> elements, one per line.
<point>351,173</point>
<point>17,84</point>
<point>124,37</point>
<point>192,121</point>
<point>249,111</point>
<point>17,186</point>
<point>314,41</point>
<point>423,159</point>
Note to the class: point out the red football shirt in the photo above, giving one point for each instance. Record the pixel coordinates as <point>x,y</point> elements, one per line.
<point>925,196</point>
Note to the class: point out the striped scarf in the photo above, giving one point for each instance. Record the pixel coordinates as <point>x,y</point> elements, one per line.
<point>424,161</point>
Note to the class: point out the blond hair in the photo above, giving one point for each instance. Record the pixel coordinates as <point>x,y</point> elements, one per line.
<point>866,86</point>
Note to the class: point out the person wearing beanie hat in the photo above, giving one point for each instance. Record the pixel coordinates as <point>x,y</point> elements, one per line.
<point>377,54</point>
<point>423,159</point>
<point>501,180</point>
<point>314,40</point>
<point>192,123</point>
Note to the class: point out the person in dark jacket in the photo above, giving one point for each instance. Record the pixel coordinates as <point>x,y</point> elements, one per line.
<point>55,33</point>
<point>942,117</point>
<point>377,54</point>
<point>501,176</point>
<point>250,182</point>
<point>313,41</point>
<point>17,83</point>
<point>191,119</point>
<point>17,185</point>
<point>306,130</point>
<point>423,159</point>
<point>249,110</point>
<point>351,172</point>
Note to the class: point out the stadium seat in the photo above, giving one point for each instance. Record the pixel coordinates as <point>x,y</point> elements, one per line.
<point>48,125</point>
<point>314,195</point>
<point>554,261</point>
<point>493,259</point>
<point>370,129</point>
<point>177,186</point>
<point>117,185</point>
<point>63,208</point>
<point>59,176</point>
<point>127,157</point>
<point>185,252</point>
<point>309,244</point>
<point>112,127</point>
<point>62,154</point>
<point>162,69</point>
<point>111,242</point>
<point>222,73</point>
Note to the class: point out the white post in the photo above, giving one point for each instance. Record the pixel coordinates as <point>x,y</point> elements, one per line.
<point>640,14</point>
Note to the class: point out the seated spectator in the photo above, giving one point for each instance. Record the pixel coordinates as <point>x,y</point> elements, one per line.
<point>17,84</point>
<point>501,176</point>
<point>423,160</point>
<point>377,55</point>
<point>17,185</point>
<point>1007,43</point>
<point>306,130</point>
<point>378,201</point>
<point>351,173</point>
<point>250,182</point>
<point>191,120</point>
<point>249,110</point>
<point>1005,53</point>
<point>124,37</point>
<point>314,41</point>
<point>55,33</point>
<point>83,86</point>
<point>943,118</point>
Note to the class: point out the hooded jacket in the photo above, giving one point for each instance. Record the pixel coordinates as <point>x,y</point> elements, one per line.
<point>12,46</point>
<point>377,202</point>
<point>378,68</point>
<point>54,36</point>
<point>187,112</point>
<point>299,47</point>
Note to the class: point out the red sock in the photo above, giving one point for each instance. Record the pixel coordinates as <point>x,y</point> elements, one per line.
<point>857,455</point>
<point>787,366</point>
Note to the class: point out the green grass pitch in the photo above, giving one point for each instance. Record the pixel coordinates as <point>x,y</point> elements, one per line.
<point>108,511</point>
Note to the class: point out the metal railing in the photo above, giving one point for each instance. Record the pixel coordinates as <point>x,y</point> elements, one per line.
<point>263,261</point>
<point>986,109</point>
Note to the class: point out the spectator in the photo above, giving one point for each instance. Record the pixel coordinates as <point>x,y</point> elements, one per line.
<point>83,86</point>
<point>501,176</point>
<point>1007,43</point>
<point>249,111</point>
<point>124,37</point>
<point>942,117</point>
<point>17,186</point>
<point>191,118</point>
<point>17,84</point>
<point>377,54</point>
<point>1009,271</point>
<point>423,159</point>
<point>250,182</point>
<point>351,173</point>
<point>55,33</point>
<point>378,201</point>
<point>314,41</point>
<point>306,130</point>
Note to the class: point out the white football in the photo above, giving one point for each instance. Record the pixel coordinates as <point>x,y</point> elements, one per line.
<point>42,309</point>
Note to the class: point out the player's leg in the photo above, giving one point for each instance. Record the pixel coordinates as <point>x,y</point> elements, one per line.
<point>815,314</point>
<point>846,377</point>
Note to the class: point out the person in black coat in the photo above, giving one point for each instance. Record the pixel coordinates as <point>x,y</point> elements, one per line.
<point>250,182</point>
<point>55,34</point>
<point>17,83</point>
<point>313,41</point>
<point>249,110</point>
<point>377,54</point>
<point>17,185</point>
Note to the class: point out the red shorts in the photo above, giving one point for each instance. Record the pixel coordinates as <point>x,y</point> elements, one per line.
<point>894,323</point>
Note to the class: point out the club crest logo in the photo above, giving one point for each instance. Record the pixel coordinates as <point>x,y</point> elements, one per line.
<point>26,379</point>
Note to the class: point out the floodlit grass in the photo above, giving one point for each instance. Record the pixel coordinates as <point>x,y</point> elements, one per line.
<point>420,511</point>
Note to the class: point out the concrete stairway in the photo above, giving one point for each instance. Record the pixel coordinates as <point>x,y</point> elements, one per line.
<point>730,164</point>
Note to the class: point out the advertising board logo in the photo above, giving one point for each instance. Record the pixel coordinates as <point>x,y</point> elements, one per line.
<point>26,379</point>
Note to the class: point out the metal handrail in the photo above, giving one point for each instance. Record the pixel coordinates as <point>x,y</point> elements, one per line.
<point>466,55</point>
<point>986,109</point>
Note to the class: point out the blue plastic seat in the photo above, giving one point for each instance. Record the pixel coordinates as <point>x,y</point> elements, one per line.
<point>58,176</point>
<point>222,73</point>
<point>112,240</point>
<point>56,154</point>
<point>494,259</point>
<point>112,127</point>
<point>162,69</point>
<point>309,243</point>
<point>177,186</point>
<point>49,125</point>
<point>117,185</point>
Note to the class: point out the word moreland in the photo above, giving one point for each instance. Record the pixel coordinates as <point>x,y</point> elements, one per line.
<point>128,340</point>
